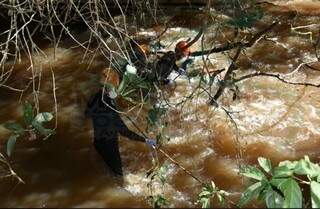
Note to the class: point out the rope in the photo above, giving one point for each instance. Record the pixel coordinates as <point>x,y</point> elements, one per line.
<point>166,154</point>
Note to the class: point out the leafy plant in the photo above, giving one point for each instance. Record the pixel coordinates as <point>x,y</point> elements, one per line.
<point>155,114</point>
<point>158,201</point>
<point>130,86</point>
<point>32,125</point>
<point>210,191</point>
<point>279,186</point>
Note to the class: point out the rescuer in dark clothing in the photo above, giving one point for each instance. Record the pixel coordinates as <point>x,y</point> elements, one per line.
<point>107,124</point>
<point>159,70</point>
<point>171,61</point>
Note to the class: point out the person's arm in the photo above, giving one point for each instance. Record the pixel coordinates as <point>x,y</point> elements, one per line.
<point>125,131</point>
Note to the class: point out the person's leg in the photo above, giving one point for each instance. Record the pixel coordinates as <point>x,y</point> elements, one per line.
<point>109,150</point>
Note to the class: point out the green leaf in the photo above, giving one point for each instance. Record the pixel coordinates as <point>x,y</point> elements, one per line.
<point>306,167</point>
<point>277,181</point>
<point>315,194</point>
<point>159,201</point>
<point>15,127</point>
<point>282,171</point>
<point>10,144</point>
<point>43,117</point>
<point>28,113</point>
<point>208,191</point>
<point>292,193</point>
<point>221,199</point>
<point>251,193</point>
<point>265,164</point>
<point>252,172</point>
<point>205,202</point>
<point>273,199</point>
<point>289,164</point>
<point>43,131</point>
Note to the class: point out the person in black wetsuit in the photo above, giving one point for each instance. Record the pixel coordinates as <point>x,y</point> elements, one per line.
<point>107,124</point>
<point>159,70</point>
<point>171,61</point>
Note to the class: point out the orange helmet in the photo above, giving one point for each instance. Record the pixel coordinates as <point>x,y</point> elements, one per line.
<point>181,49</point>
<point>110,76</point>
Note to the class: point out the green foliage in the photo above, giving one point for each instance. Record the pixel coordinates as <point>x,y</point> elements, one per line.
<point>156,124</point>
<point>159,173</point>
<point>209,191</point>
<point>158,201</point>
<point>16,128</point>
<point>31,124</point>
<point>155,114</point>
<point>10,144</point>
<point>315,194</point>
<point>130,86</point>
<point>279,186</point>
<point>292,193</point>
<point>28,113</point>
<point>43,117</point>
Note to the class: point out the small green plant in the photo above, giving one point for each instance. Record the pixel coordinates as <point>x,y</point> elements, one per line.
<point>158,201</point>
<point>279,186</point>
<point>156,124</point>
<point>210,191</point>
<point>159,174</point>
<point>130,87</point>
<point>32,125</point>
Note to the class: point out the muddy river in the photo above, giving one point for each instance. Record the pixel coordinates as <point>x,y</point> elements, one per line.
<point>274,120</point>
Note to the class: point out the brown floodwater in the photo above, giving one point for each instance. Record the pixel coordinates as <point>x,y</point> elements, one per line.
<point>274,120</point>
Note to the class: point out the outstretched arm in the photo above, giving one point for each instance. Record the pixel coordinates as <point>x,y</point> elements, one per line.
<point>125,131</point>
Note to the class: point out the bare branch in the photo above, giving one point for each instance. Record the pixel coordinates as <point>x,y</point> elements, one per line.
<point>229,46</point>
<point>277,76</point>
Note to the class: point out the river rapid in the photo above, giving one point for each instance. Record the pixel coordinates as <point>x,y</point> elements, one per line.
<point>274,120</point>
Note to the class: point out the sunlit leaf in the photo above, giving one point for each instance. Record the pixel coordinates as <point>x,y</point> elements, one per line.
<point>221,199</point>
<point>208,191</point>
<point>10,144</point>
<point>43,117</point>
<point>159,201</point>
<point>288,164</point>
<point>205,203</point>
<point>315,194</point>
<point>277,181</point>
<point>252,172</point>
<point>43,131</point>
<point>251,193</point>
<point>273,199</point>
<point>28,113</point>
<point>265,164</point>
<point>306,167</point>
<point>282,171</point>
<point>15,127</point>
<point>292,193</point>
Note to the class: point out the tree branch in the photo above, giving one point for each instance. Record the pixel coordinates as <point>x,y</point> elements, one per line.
<point>277,76</point>
<point>229,46</point>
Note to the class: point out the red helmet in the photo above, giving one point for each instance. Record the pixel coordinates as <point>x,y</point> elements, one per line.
<point>181,49</point>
